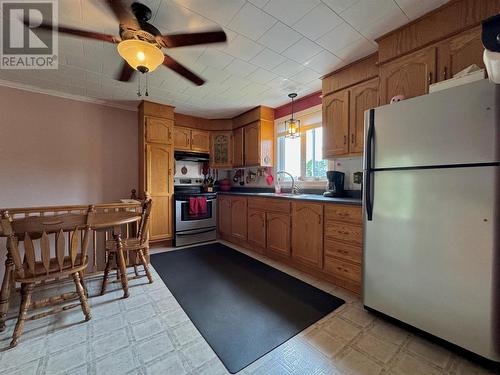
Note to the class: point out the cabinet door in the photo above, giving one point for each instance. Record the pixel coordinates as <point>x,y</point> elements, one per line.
<point>238,148</point>
<point>158,130</point>
<point>278,234</point>
<point>409,75</point>
<point>182,139</point>
<point>239,217</point>
<point>251,141</point>
<point>200,141</point>
<point>224,215</point>
<point>336,124</point>
<point>159,161</point>
<point>307,233</point>
<point>362,97</point>
<point>257,228</point>
<point>221,150</point>
<point>460,51</point>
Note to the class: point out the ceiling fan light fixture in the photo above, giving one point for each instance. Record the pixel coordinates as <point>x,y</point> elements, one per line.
<point>140,55</point>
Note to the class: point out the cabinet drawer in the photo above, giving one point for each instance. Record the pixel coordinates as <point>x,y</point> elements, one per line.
<point>343,269</point>
<point>353,253</point>
<point>343,232</point>
<point>350,214</point>
<point>267,204</point>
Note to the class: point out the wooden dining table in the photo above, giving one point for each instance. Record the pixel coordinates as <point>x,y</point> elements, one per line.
<point>101,221</point>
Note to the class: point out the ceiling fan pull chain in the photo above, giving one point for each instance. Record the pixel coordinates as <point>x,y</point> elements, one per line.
<point>139,87</point>
<point>147,84</point>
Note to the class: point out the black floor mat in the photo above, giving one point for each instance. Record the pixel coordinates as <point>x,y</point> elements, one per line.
<point>242,307</point>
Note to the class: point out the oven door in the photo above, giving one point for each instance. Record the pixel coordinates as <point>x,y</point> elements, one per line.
<point>185,221</point>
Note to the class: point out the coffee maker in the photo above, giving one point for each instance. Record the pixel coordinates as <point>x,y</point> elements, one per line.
<point>335,185</point>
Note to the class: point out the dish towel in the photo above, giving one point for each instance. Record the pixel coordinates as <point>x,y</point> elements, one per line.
<point>193,206</point>
<point>202,205</point>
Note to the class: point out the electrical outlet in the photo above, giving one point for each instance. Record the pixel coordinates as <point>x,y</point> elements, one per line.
<point>357,177</point>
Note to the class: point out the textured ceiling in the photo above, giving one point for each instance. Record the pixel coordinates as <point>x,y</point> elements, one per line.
<point>274,47</point>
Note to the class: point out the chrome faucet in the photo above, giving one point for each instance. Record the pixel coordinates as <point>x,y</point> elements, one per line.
<point>295,189</point>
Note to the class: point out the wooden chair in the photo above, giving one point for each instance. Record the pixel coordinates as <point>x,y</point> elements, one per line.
<point>38,234</point>
<point>138,244</point>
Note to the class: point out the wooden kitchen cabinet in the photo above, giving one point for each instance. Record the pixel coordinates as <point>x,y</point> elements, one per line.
<point>362,97</point>
<point>239,217</point>
<point>182,138</point>
<point>258,144</point>
<point>307,233</point>
<point>156,160</point>
<point>238,160</point>
<point>186,139</point>
<point>159,162</point>
<point>343,245</point>
<point>251,144</point>
<point>336,124</point>
<point>278,233</point>
<point>224,215</point>
<point>344,118</point>
<point>221,149</point>
<point>158,130</point>
<point>409,75</point>
<point>257,228</point>
<point>459,52</point>
<point>200,141</point>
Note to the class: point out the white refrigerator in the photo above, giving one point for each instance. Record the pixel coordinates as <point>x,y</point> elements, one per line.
<point>432,215</point>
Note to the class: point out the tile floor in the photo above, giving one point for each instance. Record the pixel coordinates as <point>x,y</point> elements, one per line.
<point>149,333</point>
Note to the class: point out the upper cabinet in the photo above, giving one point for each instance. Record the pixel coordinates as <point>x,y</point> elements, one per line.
<point>200,141</point>
<point>182,138</point>
<point>221,149</point>
<point>460,51</point>
<point>430,49</point>
<point>158,130</point>
<point>258,144</point>
<point>362,97</point>
<point>410,75</point>
<point>238,160</point>
<point>336,124</point>
<point>343,118</point>
<point>186,139</point>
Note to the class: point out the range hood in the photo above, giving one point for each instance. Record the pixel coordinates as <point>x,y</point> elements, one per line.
<point>191,156</point>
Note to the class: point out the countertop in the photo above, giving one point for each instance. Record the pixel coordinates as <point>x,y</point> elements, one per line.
<point>303,197</point>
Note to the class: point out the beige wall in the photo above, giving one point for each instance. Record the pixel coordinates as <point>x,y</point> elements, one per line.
<point>56,151</point>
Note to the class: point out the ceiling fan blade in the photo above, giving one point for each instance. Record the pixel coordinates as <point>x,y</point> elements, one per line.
<point>80,33</point>
<point>182,70</point>
<point>191,39</point>
<point>123,14</point>
<point>126,73</point>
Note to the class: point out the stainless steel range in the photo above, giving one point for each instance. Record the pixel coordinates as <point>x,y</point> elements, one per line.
<point>191,226</point>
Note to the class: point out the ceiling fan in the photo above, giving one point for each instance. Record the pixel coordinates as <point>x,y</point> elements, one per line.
<point>140,43</point>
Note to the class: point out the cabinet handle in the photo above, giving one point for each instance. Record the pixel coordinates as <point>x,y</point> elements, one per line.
<point>445,72</point>
<point>430,78</point>
<point>345,139</point>
<point>352,138</point>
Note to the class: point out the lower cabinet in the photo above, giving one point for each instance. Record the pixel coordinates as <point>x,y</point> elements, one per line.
<point>239,217</point>
<point>224,215</point>
<point>324,239</point>
<point>343,250</point>
<point>307,233</point>
<point>257,228</point>
<point>278,234</point>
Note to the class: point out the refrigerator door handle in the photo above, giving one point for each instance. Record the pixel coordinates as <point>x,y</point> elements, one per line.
<point>368,164</point>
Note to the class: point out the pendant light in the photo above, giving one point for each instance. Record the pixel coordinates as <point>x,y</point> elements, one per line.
<point>292,126</point>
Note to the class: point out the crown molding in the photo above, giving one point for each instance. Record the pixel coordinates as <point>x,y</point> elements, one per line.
<point>38,90</point>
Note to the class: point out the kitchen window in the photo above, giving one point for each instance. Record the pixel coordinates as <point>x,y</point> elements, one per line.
<point>302,157</point>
